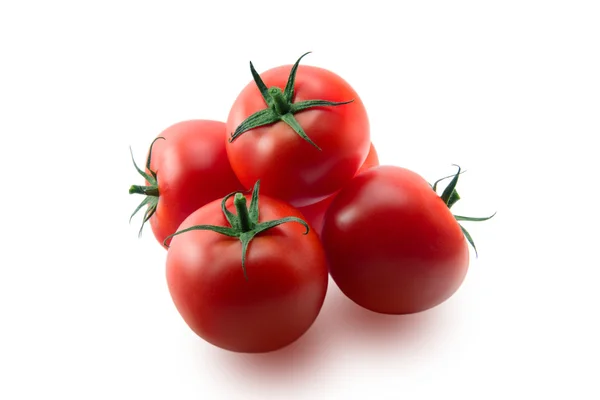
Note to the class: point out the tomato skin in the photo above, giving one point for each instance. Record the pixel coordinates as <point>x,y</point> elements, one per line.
<point>289,167</point>
<point>280,300</point>
<point>315,213</point>
<point>392,244</point>
<point>192,169</point>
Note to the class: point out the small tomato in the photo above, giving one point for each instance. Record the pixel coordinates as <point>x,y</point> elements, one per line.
<point>187,167</point>
<point>392,244</point>
<point>247,283</point>
<point>304,142</point>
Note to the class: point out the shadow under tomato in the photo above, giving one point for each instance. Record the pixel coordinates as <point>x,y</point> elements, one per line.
<point>357,327</point>
<point>342,328</point>
<point>297,359</point>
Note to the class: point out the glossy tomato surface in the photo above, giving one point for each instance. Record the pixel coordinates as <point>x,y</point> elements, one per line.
<point>314,213</point>
<point>289,167</point>
<point>392,244</point>
<point>278,302</point>
<point>192,170</point>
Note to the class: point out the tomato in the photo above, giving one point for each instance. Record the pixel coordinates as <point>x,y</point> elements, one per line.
<point>305,142</point>
<point>192,169</point>
<point>314,213</point>
<point>392,244</point>
<point>254,300</point>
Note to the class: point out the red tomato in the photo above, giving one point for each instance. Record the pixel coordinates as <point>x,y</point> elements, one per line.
<point>314,213</point>
<point>392,244</point>
<point>273,305</point>
<point>191,169</point>
<point>288,165</point>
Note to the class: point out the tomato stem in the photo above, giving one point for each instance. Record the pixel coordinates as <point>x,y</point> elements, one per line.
<point>244,225</point>
<point>242,212</point>
<point>450,196</point>
<point>150,190</point>
<point>147,190</point>
<point>280,104</point>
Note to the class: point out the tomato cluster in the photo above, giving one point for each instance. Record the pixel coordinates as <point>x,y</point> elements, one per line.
<point>258,211</point>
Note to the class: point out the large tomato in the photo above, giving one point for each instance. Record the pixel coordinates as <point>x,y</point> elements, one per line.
<point>303,142</point>
<point>314,213</point>
<point>244,283</point>
<point>187,167</point>
<point>392,244</point>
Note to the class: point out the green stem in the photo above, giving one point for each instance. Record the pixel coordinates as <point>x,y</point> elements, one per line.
<point>450,196</point>
<point>244,225</point>
<point>242,212</point>
<point>147,190</point>
<point>280,104</point>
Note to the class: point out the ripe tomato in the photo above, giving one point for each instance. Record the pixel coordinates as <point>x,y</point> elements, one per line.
<point>303,143</point>
<point>257,300</point>
<point>392,244</point>
<point>191,169</point>
<point>314,213</point>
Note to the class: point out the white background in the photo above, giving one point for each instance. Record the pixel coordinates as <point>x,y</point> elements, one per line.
<point>509,90</point>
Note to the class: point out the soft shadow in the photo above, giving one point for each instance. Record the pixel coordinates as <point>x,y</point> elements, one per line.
<point>298,358</point>
<point>342,327</point>
<point>381,333</point>
<point>305,356</point>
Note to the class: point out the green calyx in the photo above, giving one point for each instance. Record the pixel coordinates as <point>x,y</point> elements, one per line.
<point>450,197</point>
<point>281,106</point>
<point>245,225</point>
<point>150,190</point>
